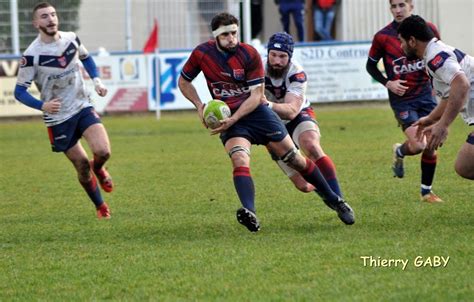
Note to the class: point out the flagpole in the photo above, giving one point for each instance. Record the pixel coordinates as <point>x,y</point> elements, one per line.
<point>157,84</point>
<point>128,25</point>
<point>158,74</point>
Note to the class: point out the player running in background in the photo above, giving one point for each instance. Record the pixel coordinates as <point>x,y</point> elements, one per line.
<point>452,72</point>
<point>235,75</point>
<point>285,92</point>
<point>52,62</point>
<point>410,94</point>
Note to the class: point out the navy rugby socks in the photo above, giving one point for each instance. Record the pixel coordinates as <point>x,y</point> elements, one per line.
<point>92,189</point>
<point>428,167</point>
<point>245,188</point>
<point>328,170</point>
<point>312,175</point>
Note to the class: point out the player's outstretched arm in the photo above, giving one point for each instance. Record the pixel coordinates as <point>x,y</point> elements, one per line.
<point>256,94</point>
<point>249,105</point>
<point>91,68</point>
<point>189,91</point>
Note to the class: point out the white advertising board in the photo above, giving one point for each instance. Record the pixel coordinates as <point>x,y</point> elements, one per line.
<point>337,73</point>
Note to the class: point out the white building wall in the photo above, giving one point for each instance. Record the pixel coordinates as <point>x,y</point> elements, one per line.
<point>181,27</point>
<point>457,23</point>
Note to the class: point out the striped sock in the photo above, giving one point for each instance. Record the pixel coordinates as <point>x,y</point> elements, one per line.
<point>245,188</point>
<point>328,169</point>
<point>312,175</point>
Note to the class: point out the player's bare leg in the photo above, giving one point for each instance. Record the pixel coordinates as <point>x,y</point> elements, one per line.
<point>98,140</point>
<point>78,156</point>
<point>411,146</point>
<point>301,184</point>
<point>238,149</point>
<point>464,165</point>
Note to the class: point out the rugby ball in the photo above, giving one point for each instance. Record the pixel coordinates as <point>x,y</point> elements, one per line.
<point>214,112</point>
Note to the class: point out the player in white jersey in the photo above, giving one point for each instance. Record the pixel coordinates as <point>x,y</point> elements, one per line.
<point>452,74</point>
<point>285,92</point>
<point>52,62</point>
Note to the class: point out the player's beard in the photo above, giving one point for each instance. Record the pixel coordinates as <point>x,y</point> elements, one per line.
<point>44,29</point>
<point>227,49</point>
<point>410,53</point>
<point>278,72</point>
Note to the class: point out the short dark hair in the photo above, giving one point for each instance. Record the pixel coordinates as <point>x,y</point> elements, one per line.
<point>415,26</point>
<point>40,6</point>
<point>223,19</point>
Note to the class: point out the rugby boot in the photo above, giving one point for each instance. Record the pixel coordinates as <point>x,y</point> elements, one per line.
<point>431,198</point>
<point>344,212</point>
<point>397,164</point>
<point>103,211</point>
<point>248,219</point>
<point>105,180</point>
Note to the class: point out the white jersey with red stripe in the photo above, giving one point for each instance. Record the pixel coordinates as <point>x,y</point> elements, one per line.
<point>55,69</point>
<point>294,81</point>
<point>444,63</point>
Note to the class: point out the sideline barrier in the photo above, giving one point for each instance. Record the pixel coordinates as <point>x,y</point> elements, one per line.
<point>336,72</point>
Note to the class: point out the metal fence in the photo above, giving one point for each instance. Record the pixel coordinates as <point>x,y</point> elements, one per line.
<point>121,25</point>
<point>67,9</point>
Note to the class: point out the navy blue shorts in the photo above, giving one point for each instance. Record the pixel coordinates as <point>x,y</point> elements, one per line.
<point>260,127</point>
<point>65,135</point>
<point>307,114</point>
<point>408,112</point>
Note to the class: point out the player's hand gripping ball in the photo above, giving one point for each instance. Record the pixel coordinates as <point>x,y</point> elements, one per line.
<point>214,112</point>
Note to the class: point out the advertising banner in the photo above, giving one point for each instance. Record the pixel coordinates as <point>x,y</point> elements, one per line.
<point>125,77</point>
<point>170,66</point>
<point>9,106</point>
<point>337,73</point>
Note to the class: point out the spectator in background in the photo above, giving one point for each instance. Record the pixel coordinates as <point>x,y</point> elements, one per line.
<point>324,12</point>
<point>257,17</point>
<point>296,8</point>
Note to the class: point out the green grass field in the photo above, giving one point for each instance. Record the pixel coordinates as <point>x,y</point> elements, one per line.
<point>174,237</point>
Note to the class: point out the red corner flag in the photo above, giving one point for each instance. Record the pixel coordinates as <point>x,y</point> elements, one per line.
<point>152,42</point>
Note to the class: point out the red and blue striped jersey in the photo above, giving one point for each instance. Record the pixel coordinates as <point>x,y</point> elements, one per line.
<point>386,46</point>
<point>229,76</point>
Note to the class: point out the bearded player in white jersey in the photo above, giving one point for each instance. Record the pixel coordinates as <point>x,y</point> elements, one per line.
<point>52,62</point>
<point>285,94</point>
<point>452,75</point>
